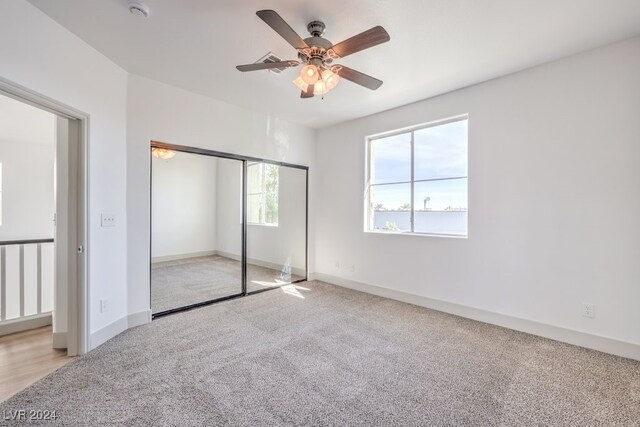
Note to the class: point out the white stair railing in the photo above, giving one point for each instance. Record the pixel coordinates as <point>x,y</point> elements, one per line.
<point>21,282</point>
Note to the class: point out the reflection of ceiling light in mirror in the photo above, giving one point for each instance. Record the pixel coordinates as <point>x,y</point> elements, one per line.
<point>163,153</point>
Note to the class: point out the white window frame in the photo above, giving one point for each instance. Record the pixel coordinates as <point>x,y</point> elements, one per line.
<point>263,191</point>
<point>368,217</point>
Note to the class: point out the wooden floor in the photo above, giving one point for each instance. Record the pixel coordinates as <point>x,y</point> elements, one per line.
<point>25,357</point>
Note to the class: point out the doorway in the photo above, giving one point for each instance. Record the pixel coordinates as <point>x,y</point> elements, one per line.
<point>42,234</point>
<point>223,226</point>
<point>40,199</point>
<point>28,140</point>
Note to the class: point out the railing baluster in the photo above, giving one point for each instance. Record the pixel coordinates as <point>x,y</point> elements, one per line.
<point>3,283</point>
<point>21,275</point>
<point>39,276</point>
<point>21,280</point>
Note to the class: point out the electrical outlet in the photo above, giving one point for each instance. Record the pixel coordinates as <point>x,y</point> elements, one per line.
<point>103,305</point>
<point>352,268</point>
<point>108,220</point>
<point>588,310</point>
<point>337,264</point>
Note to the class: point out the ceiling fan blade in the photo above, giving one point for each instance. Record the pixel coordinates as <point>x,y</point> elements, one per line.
<point>267,65</point>
<point>281,27</point>
<point>364,40</point>
<point>357,77</point>
<point>308,93</point>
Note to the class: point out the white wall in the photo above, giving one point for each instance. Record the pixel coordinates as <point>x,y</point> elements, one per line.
<point>184,206</point>
<point>554,198</point>
<point>27,155</point>
<point>161,112</point>
<point>39,54</point>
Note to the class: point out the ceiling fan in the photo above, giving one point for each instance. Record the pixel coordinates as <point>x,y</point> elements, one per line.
<point>318,76</point>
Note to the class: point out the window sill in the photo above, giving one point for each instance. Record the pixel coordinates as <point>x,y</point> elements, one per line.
<point>263,225</point>
<point>413,233</point>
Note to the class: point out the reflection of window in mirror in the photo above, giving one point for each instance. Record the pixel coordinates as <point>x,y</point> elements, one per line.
<point>262,193</point>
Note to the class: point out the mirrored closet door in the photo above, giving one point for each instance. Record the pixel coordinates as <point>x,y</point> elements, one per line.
<point>196,229</point>
<point>223,226</point>
<point>276,225</point>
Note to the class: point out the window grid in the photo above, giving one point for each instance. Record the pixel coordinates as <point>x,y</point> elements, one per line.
<point>413,181</point>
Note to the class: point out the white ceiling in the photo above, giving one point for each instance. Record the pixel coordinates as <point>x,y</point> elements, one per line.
<point>436,45</point>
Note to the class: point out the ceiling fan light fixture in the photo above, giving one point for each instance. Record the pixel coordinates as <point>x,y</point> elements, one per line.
<point>330,79</point>
<point>327,81</point>
<point>320,88</point>
<point>310,74</point>
<point>316,54</point>
<point>301,84</point>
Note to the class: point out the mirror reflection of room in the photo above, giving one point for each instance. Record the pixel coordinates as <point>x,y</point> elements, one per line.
<point>195,220</point>
<point>276,225</point>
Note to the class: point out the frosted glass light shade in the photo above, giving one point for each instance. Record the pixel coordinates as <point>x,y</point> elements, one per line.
<point>163,153</point>
<point>310,74</point>
<point>301,84</point>
<point>323,85</point>
<point>330,79</point>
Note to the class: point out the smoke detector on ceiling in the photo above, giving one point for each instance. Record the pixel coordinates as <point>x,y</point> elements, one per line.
<point>138,9</point>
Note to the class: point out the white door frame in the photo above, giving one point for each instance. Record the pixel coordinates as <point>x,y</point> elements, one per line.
<point>78,237</point>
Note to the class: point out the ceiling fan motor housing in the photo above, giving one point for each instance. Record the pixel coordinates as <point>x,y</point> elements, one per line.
<point>316,28</point>
<point>318,51</point>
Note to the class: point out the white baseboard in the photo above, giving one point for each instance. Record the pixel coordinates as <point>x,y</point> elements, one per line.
<point>229,255</point>
<point>261,263</point>
<point>181,256</point>
<point>105,334</point>
<point>138,319</point>
<point>60,340</point>
<point>24,323</point>
<point>253,261</point>
<point>558,333</point>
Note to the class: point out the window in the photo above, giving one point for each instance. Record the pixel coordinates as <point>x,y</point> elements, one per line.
<point>262,193</point>
<point>417,180</point>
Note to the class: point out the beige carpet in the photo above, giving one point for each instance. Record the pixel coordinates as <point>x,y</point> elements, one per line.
<point>319,355</point>
<point>189,281</point>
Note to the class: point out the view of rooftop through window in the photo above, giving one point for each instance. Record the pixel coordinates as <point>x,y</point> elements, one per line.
<point>418,180</point>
